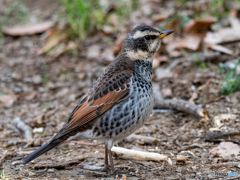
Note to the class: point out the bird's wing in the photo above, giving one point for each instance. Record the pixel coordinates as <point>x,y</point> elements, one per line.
<point>108,91</point>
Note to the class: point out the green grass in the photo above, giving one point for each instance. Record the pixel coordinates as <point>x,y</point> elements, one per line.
<point>15,13</point>
<point>3,176</point>
<point>216,8</point>
<point>231,82</point>
<point>84,17</point>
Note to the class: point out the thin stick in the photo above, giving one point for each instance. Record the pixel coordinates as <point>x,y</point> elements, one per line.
<point>184,106</point>
<point>138,155</point>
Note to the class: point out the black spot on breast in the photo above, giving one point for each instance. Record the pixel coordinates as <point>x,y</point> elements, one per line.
<point>115,85</point>
<point>121,81</point>
<point>118,124</point>
<point>105,91</point>
<point>133,114</point>
<point>110,134</point>
<point>117,77</point>
<point>96,97</point>
<point>110,82</point>
<point>128,85</point>
<point>111,88</point>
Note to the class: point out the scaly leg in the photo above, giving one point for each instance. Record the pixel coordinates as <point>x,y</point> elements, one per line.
<point>111,161</point>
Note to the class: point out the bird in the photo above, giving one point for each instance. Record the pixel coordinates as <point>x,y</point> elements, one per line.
<point>120,100</point>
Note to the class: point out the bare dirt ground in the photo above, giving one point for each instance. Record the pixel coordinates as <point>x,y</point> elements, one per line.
<point>45,90</point>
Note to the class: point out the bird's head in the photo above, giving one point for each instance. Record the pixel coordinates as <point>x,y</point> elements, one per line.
<point>143,42</point>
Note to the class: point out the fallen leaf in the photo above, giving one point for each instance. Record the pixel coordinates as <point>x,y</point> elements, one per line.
<point>224,34</point>
<point>219,48</point>
<point>190,41</point>
<point>114,20</point>
<point>159,17</point>
<point>29,95</point>
<point>167,92</point>
<point>94,51</point>
<point>8,100</point>
<point>193,97</point>
<point>226,149</point>
<point>198,25</point>
<point>53,41</point>
<point>118,44</point>
<point>163,73</point>
<point>223,117</point>
<point>28,29</point>
<point>159,59</point>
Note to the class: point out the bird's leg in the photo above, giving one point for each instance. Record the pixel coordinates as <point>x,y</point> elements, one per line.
<point>106,159</point>
<point>111,161</point>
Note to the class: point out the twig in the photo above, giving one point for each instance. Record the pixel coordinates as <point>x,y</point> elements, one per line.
<point>23,127</point>
<point>222,136</point>
<point>137,155</point>
<point>143,139</point>
<point>184,106</point>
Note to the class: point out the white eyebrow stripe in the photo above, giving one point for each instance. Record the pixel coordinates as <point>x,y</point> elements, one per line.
<point>139,34</point>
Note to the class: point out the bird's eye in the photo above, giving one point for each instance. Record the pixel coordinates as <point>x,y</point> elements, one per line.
<point>147,37</point>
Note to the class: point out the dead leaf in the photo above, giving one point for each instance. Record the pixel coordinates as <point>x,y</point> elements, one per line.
<point>94,51</point>
<point>29,95</point>
<point>114,20</point>
<point>118,44</point>
<point>159,17</point>
<point>159,59</point>
<point>194,96</point>
<point>219,48</point>
<point>197,25</point>
<point>226,149</point>
<point>218,120</point>
<point>190,41</point>
<point>53,41</point>
<point>8,100</point>
<point>28,29</point>
<point>224,34</point>
<point>163,73</point>
<point>167,92</point>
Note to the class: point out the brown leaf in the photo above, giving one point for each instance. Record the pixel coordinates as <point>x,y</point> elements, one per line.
<point>224,34</point>
<point>28,29</point>
<point>219,48</point>
<point>8,100</point>
<point>167,92</point>
<point>197,25</point>
<point>54,40</point>
<point>226,149</point>
<point>159,17</point>
<point>194,96</point>
<point>118,44</point>
<point>29,95</point>
<point>190,41</point>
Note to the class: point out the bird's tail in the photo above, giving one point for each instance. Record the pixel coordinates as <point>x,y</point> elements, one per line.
<point>46,147</point>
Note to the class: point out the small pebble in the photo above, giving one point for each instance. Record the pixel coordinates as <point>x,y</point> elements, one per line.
<point>181,158</point>
<point>50,171</point>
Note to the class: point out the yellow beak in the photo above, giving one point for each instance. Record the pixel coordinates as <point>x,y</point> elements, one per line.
<point>165,33</point>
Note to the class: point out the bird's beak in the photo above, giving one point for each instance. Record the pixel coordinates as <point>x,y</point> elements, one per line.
<point>165,33</point>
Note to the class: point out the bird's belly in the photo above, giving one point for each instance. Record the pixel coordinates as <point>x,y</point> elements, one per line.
<point>124,118</point>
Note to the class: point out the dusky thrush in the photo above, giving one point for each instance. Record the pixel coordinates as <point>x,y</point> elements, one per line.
<point>120,100</point>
